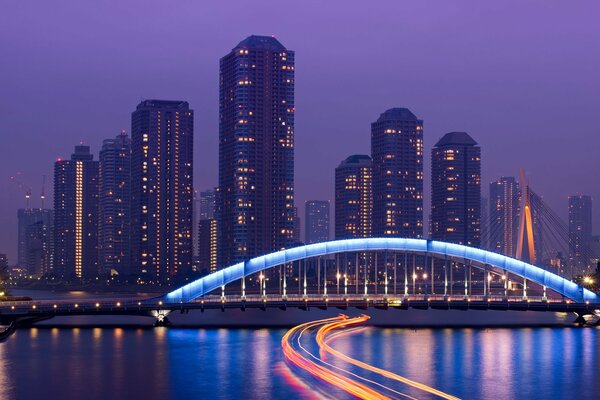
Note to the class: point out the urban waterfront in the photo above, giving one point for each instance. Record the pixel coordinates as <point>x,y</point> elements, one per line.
<point>158,363</point>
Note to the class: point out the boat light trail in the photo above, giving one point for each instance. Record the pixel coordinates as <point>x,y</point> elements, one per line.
<point>331,326</point>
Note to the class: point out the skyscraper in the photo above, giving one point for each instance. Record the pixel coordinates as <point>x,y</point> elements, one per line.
<point>207,245</point>
<point>354,197</point>
<point>115,204</point>
<point>316,221</point>
<point>397,153</point>
<point>456,190</point>
<point>36,240</point>
<point>580,232</point>
<point>256,150</point>
<point>503,215</point>
<point>204,209</point>
<point>162,134</point>
<point>296,236</point>
<point>76,215</point>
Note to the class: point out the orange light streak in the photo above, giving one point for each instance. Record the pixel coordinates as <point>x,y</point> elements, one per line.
<point>322,342</point>
<point>348,385</point>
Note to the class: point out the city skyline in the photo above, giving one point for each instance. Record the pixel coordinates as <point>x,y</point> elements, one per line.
<point>531,90</point>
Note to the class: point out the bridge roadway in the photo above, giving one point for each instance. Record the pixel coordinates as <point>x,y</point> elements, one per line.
<point>36,310</point>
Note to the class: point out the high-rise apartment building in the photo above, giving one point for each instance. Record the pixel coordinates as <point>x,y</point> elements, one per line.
<point>504,215</point>
<point>76,215</point>
<point>114,205</point>
<point>354,197</point>
<point>204,208</point>
<point>35,240</point>
<point>207,245</point>
<point>162,134</point>
<point>316,221</point>
<point>456,190</point>
<point>397,153</point>
<point>580,232</point>
<point>256,150</point>
<point>297,227</point>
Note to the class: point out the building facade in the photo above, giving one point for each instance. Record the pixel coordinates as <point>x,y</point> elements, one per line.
<point>256,150</point>
<point>456,190</point>
<point>503,215</point>
<point>354,198</point>
<point>580,233</point>
<point>316,221</point>
<point>35,240</point>
<point>162,193</point>
<point>76,215</point>
<point>115,205</point>
<point>397,153</point>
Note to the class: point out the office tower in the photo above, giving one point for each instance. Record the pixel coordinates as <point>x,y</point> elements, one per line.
<point>207,245</point>
<point>503,216</point>
<point>354,197</point>
<point>35,240</point>
<point>76,215</point>
<point>161,188</point>
<point>397,153</point>
<point>256,150</point>
<point>114,205</point>
<point>580,233</point>
<point>296,236</point>
<point>316,219</point>
<point>456,190</point>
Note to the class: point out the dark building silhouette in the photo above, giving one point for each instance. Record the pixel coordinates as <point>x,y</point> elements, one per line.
<point>580,232</point>
<point>204,208</point>
<point>316,221</point>
<point>296,236</point>
<point>503,215</point>
<point>76,215</point>
<point>256,150</point>
<point>456,190</point>
<point>162,134</point>
<point>115,205</point>
<point>354,197</point>
<point>397,153</point>
<point>207,245</point>
<point>35,240</point>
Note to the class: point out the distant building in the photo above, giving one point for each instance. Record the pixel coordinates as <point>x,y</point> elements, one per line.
<point>580,233</point>
<point>297,227</point>
<point>256,150</point>
<point>76,215</point>
<point>456,190</point>
<point>204,208</point>
<point>397,153</point>
<point>207,245</point>
<point>354,197</point>
<point>504,215</point>
<point>115,205</point>
<point>162,188</point>
<point>316,220</point>
<point>485,223</point>
<point>36,240</point>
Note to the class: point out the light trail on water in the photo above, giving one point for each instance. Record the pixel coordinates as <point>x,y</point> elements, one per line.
<point>329,329</point>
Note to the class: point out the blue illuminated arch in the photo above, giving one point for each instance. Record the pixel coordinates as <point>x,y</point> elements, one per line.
<point>205,285</point>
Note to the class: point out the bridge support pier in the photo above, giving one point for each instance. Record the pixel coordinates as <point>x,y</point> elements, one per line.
<point>580,320</point>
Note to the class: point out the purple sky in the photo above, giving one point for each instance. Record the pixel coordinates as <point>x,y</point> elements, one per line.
<point>523,78</point>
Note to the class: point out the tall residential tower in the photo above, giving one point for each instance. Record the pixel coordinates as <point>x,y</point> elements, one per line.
<point>115,205</point>
<point>397,153</point>
<point>256,150</point>
<point>456,190</point>
<point>316,221</point>
<point>354,197</point>
<point>76,215</point>
<point>162,135</point>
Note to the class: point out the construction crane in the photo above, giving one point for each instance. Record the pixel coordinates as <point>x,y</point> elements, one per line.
<point>43,194</point>
<point>23,187</point>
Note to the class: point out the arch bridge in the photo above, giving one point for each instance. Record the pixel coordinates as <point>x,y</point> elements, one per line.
<point>386,268</point>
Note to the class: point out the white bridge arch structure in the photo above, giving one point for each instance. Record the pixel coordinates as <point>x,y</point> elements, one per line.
<point>486,260</point>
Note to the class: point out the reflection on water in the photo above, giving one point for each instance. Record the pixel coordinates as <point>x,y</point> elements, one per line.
<point>100,363</point>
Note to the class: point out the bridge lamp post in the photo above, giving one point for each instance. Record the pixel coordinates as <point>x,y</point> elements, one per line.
<point>414,283</point>
<point>505,286</point>
<point>262,285</point>
<point>425,280</point>
<point>489,284</point>
<point>338,276</point>
<point>345,285</point>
